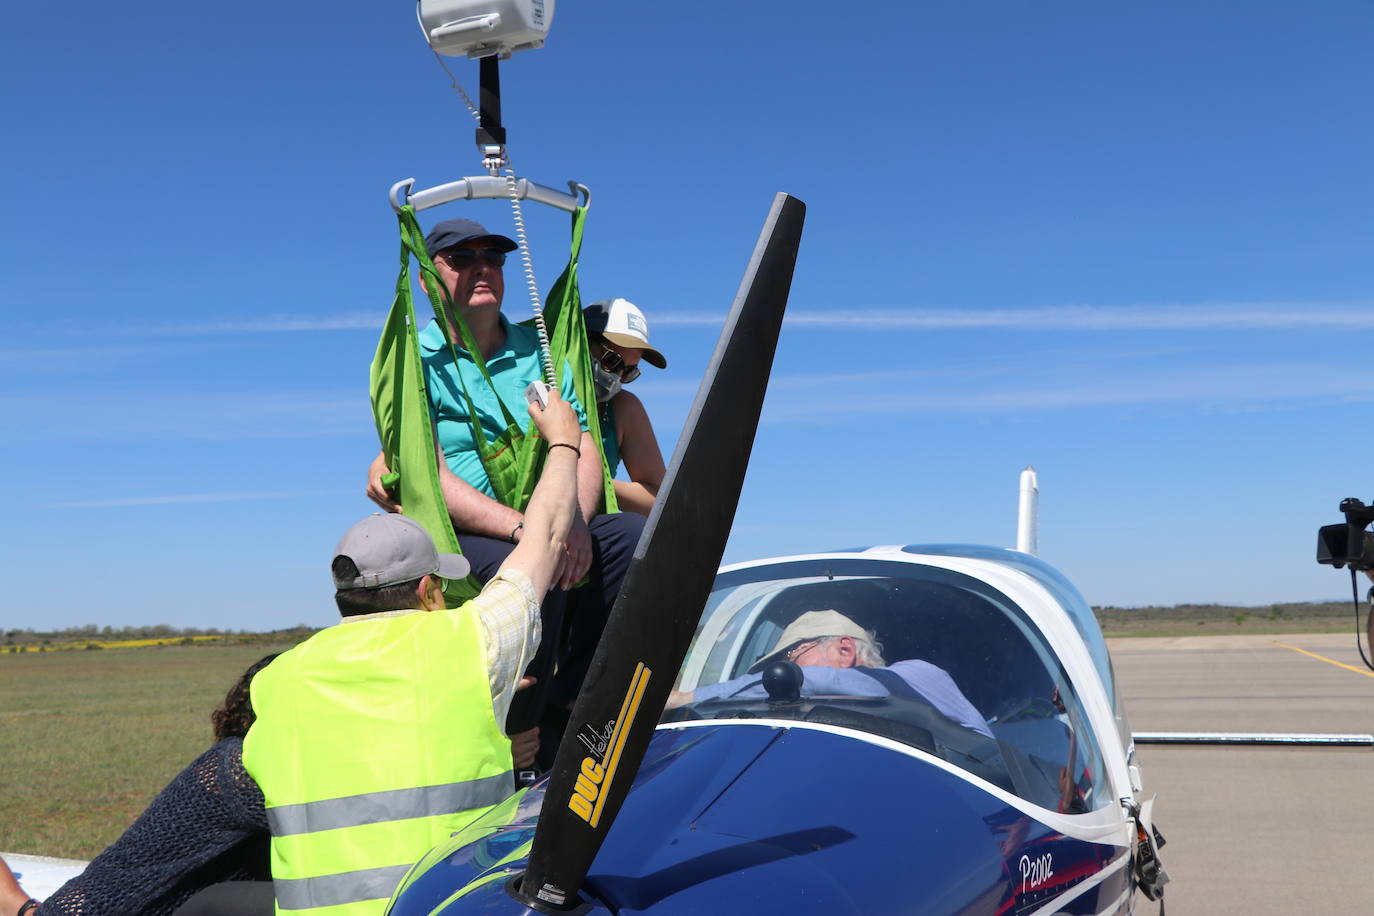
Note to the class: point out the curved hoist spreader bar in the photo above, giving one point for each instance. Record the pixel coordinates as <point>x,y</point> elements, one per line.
<point>487,187</point>
<point>502,188</point>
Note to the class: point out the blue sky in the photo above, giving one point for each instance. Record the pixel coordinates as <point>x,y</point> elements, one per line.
<point>1128,244</point>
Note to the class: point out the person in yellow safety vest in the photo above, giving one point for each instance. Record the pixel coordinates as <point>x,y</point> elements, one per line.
<point>379,737</point>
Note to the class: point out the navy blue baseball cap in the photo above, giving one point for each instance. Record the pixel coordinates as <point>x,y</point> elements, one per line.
<point>457,231</point>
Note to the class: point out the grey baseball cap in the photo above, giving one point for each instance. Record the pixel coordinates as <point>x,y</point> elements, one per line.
<point>457,231</point>
<point>388,549</point>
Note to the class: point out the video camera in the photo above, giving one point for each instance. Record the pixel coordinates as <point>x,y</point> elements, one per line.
<point>1348,544</point>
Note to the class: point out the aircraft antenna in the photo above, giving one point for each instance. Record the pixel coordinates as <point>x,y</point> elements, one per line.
<point>1028,514</point>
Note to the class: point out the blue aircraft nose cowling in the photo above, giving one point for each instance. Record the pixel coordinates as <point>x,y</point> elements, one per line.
<point>817,821</point>
<point>761,819</point>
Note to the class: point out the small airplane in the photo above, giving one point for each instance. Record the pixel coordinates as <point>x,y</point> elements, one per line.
<point>873,804</point>
<point>777,798</point>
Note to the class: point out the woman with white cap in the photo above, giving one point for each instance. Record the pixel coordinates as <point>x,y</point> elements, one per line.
<point>619,337</point>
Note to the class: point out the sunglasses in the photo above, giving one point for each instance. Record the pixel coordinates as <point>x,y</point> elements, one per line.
<point>612,362</point>
<point>801,649</point>
<point>463,258</point>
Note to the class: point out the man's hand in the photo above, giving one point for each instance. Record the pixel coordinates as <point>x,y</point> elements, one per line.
<point>375,491</point>
<point>577,554</point>
<point>524,747</point>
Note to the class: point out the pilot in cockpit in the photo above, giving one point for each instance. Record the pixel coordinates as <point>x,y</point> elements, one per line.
<point>840,658</point>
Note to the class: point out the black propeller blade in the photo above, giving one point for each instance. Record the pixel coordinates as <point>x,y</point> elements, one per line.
<point>669,579</point>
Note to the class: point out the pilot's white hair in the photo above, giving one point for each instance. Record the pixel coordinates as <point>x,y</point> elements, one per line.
<point>868,653</point>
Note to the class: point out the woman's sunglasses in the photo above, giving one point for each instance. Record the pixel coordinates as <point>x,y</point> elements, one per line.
<point>612,362</point>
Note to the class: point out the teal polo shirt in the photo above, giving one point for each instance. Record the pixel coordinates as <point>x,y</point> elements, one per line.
<point>512,368</point>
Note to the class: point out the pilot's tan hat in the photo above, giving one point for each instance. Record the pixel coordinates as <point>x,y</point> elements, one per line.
<point>809,626</point>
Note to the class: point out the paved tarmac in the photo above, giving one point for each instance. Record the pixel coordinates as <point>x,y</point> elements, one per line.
<point>1256,831</point>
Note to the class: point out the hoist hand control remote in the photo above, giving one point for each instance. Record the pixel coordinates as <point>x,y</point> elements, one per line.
<point>537,393</point>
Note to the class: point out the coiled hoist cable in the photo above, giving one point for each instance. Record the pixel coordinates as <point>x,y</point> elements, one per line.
<point>494,161</point>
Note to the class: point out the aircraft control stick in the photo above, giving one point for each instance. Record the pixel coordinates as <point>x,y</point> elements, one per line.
<point>783,681</point>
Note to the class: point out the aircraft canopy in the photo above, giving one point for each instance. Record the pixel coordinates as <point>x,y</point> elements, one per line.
<point>1041,745</point>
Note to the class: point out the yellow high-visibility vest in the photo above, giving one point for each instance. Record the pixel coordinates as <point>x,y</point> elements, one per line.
<point>375,740</point>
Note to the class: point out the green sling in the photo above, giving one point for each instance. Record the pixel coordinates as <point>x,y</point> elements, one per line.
<point>400,401</point>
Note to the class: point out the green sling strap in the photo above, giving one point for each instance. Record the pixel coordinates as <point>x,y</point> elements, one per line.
<point>568,345</point>
<point>400,401</point>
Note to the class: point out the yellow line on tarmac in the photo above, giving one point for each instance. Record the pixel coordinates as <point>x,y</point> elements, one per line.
<point>1364,671</point>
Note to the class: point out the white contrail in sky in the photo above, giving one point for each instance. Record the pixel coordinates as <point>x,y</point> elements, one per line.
<point>171,500</point>
<point>1093,318</point>
<point>1173,317</point>
<point>1263,386</point>
<point>1063,318</point>
<point>270,324</point>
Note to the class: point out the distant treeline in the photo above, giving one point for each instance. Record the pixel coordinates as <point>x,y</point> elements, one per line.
<point>1110,618</point>
<point>156,633</point>
<point>1189,613</point>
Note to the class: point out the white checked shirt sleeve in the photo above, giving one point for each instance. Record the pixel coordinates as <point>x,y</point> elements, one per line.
<point>508,609</point>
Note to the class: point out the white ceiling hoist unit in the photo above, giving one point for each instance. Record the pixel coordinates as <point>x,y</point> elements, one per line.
<point>489,31</point>
<point>485,28</point>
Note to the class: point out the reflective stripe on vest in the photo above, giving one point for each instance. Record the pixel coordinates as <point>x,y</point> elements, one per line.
<point>393,805</point>
<point>375,740</point>
<point>334,890</point>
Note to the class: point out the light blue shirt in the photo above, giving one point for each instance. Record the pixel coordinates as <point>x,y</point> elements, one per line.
<point>512,368</point>
<point>926,679</point>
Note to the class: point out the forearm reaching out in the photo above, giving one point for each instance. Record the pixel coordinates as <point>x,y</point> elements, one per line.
<point>553,507</point>
<point>474,512</point>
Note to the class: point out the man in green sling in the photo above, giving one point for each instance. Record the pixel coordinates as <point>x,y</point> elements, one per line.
<point>469,262</point>
<point>379,737</point>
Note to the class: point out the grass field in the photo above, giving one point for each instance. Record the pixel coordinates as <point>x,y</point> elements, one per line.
<point>88,738</point>
<point>1227,620</point>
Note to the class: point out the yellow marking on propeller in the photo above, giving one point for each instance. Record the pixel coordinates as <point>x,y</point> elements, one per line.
<point>1332,661</point>
<point>621,733</point>
<point>589,791</point>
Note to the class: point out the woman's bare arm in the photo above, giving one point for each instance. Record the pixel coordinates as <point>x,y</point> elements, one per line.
<point>639,451</point>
